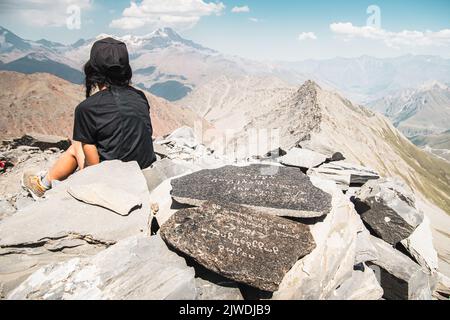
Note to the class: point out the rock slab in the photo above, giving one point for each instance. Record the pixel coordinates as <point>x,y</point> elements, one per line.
<point>398,275</point>
<point>388,207</point>
<point>135,268</point>
<point>303,158</point>
<point>239,243</point>
<point>276,190</point>
<point>344,174</point>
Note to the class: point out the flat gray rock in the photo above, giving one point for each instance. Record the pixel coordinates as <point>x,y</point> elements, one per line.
<point>363,285</point>
<point>163,170</point>
<point>238,243</point>
<point>398,275</point>
<point>420,245</point>
<point>61,215</point>
<point>344,174</point>
<point>207,290</point>
<point>388,207</point>
<point>115,199</point>
<point>276,190</point>
<point>303,158</point>
<point>135,268</point>
<point>60,227</point>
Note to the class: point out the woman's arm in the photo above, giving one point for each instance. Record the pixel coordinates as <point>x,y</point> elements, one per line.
<point>79,154</point>
<point>86,154</point>
<point>91,157</point>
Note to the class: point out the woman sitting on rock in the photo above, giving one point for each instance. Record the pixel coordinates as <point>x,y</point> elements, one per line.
<point>112,124</point>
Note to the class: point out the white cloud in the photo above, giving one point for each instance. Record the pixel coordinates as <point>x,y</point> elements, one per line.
<point>254,20</point>
<point>178,14</point>
<point>240,9</point>
<point>42,13</point>
<point>307,36</point>
<point>392,39</point>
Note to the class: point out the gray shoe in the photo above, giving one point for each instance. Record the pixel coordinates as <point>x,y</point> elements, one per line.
<point>32,183</point>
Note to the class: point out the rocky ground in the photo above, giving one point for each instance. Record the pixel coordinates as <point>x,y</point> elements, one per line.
<point>291,224</point>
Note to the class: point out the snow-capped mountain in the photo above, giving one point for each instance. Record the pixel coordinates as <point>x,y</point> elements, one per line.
<point>164,63</point>
<point>171,66</point>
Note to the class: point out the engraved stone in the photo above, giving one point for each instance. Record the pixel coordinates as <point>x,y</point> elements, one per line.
<point>236,242</point>
<point>277,190</point>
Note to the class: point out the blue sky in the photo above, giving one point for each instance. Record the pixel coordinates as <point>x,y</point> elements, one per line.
<point>260,29</point>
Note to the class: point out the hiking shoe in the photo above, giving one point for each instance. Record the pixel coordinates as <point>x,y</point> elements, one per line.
<point>32,183</point>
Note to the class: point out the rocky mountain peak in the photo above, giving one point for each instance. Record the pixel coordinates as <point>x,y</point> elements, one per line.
<point>309,89</point>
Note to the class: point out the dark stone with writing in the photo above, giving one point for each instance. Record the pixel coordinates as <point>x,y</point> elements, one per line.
<point>281,191</point>
<point>236,242</point>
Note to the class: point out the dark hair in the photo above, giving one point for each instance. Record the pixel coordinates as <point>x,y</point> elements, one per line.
<point>94,78</point>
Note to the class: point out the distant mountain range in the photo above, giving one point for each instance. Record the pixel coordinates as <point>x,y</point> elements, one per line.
<point>43,103</point>
<point>421,111</point>
<point>164,63</point>
<point>367,79</point>
<point>170,66</point>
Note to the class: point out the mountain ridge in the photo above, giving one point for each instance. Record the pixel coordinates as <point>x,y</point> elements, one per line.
<point>43,103</point>
<point>323,121</point>
<point>194,65</point>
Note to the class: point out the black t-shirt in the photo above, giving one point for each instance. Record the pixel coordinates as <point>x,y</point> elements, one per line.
<point>117,122</point>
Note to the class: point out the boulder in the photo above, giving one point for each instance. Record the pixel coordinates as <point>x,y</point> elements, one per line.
<point>274,154</point>
<point>61,215</point>
<point>337,156</point>
<point>276,190</point>
<point>43,142</point>
<point>363,285</point>
<point>161,150</point>
<point>344,174</point>
<point>183,136</point>
<point>163,170</point>
<point>135,268</point>
<point>442,290</point>
<point>207,290</point>
<point>365,249</point>
<point>398,275</point>
<point>238,243</point>
<point>161,196</point>
<point>303,158</point>
<point>388,207</point>
<point>59,227</point>
<point>330,264</point>
<point>420,245</point>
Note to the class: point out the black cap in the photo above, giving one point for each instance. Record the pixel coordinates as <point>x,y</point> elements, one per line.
<point>110,57</point>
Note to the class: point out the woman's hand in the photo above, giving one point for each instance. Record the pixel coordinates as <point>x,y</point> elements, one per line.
<point>79,154</point>
<point>86,154</point>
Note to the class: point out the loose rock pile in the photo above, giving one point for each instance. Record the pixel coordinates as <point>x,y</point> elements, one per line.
<point>226,232</point>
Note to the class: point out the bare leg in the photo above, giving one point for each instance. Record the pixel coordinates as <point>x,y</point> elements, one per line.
<point>65,166</point>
